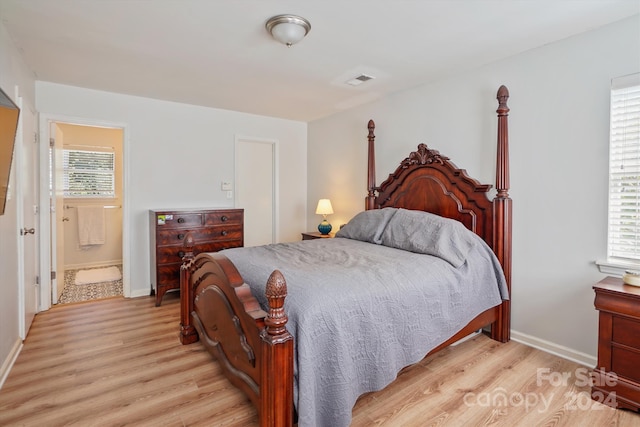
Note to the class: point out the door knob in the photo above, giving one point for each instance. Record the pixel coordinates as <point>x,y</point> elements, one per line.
<point>26,231</point>
<point>65,218</point>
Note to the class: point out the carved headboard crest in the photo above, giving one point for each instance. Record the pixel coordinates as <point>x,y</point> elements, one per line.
<point>423,156</point>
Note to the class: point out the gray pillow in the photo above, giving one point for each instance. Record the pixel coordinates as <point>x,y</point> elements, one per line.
<point>367,226</point>
<point>427,233</point>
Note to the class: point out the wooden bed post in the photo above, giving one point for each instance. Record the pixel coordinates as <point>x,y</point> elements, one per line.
<point>371,168</point>
<point>501,329</point>
<point>276,370</point>
<point>188,333</point>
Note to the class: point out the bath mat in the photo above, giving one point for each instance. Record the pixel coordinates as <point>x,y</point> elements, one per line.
<point>97,275</point>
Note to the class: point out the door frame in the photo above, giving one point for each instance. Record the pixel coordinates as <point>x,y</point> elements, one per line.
<point>45,217</point>
<point>274,179</point>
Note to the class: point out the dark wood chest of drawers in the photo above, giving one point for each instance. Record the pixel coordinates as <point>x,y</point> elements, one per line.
<point>212,230</point>
<point>617,375</point>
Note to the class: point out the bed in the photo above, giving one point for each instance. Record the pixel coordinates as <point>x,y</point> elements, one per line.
<point>308,360</point>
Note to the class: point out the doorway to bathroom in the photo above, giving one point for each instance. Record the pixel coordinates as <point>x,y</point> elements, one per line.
<point>86,182</point>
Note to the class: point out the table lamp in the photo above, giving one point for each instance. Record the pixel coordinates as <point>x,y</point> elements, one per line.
<point>324,208</point>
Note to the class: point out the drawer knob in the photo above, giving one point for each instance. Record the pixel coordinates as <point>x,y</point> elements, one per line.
<point>224,218</point>
<point>224,232</point>
<point>181,254</point>
<point>181,220</point>
<point>180,236</point>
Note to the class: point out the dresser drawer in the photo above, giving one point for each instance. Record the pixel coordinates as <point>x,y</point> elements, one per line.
<point>174,254</point>
<point>224,217</point>
<point>169,255</point>
<point>179,220</point>
<point>218,246</point>
<point>626,331</point>
<point>218,232</point>
<point>169,275</point>
<point>626,363</point>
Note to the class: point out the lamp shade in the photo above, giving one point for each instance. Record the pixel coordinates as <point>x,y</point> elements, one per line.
<point>324,207</point>
<point>287,33</point>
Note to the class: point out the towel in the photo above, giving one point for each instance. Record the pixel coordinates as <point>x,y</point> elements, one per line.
<point>91,225</point>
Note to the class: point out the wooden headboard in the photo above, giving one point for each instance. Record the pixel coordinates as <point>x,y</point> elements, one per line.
<point>426,180</point>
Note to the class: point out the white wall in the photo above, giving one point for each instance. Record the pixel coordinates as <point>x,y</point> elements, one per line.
<point>14,75</point>
<point>177,155</point>
<point>559,159</point>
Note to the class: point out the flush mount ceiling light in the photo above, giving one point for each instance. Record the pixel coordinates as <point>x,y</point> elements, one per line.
<point>288,29</point>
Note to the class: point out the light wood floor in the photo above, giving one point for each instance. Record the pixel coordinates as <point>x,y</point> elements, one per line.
<point>119,362</point>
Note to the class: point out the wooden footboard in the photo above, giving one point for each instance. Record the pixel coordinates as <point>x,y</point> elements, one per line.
<point>217,308</point>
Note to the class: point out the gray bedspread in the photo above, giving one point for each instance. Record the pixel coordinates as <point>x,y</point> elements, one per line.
<point>360,312</point>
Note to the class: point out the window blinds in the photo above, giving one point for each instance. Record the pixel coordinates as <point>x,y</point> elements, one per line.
<point>88,174</point>
<point>624,169</point>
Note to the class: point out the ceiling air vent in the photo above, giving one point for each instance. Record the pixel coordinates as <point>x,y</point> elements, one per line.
<point>356,81</point>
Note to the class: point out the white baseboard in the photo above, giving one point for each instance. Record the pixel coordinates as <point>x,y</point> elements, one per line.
<point>139,293</point>
<point>93,264</point>
<point>9,361</point>
<point>555,349</point>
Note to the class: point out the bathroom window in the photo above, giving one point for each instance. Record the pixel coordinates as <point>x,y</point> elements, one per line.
<point>89,174</point>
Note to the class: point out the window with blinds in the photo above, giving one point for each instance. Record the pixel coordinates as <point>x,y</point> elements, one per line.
<point>624,169</point>
<point>89,174</point>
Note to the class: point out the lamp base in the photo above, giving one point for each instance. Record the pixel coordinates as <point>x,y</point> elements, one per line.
<point>324,227</point>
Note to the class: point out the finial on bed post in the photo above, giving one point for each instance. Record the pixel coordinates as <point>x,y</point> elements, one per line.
<point>501,329</point>
<point>276,292</point>
<point>188,332</point>
<point>502,173</point>
<point>276,371</point>
<point>371,168</point>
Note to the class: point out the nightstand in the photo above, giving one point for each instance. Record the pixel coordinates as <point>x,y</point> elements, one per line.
<point>616,378</point>
<point>316,235</point>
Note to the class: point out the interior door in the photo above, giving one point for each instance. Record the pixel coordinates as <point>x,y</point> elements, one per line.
<point>28,199</point>
<point>58,218</point>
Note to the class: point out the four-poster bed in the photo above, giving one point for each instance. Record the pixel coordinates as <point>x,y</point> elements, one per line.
<point>255,348</point>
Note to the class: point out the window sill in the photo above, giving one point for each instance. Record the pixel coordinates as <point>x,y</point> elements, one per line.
<point>616,267</point>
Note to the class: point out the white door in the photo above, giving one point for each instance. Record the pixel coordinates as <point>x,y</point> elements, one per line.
<point>58,213</point>
<point>28,202</point>
<point>255,177</point>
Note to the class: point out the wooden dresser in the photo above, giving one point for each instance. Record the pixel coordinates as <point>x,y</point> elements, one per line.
<point>212,229</point>
<point>617,375</point>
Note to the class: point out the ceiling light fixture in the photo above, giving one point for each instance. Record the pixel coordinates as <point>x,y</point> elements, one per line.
<point>288,29</point>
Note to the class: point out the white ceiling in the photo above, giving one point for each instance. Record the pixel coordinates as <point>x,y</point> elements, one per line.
<point>217,53</point>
